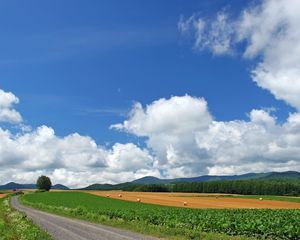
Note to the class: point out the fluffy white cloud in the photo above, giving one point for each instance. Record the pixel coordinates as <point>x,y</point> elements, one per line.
<point>175,116</point>
<point>187,141</point>
<point>170,126</point>
<point>257,146</point>
<point>182,139</point>
<point>75,160</point>
<point>128,157</point>
<point>270,31</point>
<point>7,113</point>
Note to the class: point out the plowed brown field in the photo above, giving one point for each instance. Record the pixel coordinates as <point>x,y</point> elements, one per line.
<point>194,200</point>
<point>2,195</point>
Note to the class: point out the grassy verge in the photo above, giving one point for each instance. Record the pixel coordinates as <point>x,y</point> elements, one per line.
<point>15,226</point>
<point>172,222</point>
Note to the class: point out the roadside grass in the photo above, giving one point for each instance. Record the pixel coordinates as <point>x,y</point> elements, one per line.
<point>171,222</point>
<point>15,226</point>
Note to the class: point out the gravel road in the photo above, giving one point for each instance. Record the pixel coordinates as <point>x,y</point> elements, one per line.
<point>62,228</point>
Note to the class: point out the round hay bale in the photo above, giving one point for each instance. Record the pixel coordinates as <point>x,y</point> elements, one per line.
<point>260,199</point>
<point>184,203</point>
<point>138,200</point>
<point>120,195</point>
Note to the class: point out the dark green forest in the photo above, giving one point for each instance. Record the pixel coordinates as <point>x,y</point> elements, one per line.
<point>272,183</point>
<point>248,187</point>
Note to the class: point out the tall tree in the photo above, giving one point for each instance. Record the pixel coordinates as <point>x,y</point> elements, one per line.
<point>44,183</point>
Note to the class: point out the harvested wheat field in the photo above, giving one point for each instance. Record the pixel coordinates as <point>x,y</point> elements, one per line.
<point>2,195</point>
<point>192,200</point>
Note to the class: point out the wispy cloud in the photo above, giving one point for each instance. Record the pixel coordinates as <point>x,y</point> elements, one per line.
<point>267,32</point>
<point>104,111</point>
<point>84,42</point>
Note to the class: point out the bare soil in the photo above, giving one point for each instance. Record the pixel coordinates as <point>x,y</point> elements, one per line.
<point>194,200</point>
<point>2,195</point>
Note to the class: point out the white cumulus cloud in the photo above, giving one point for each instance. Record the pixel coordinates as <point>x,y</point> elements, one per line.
<point>74,159</point>
<point>186,141</point>
<point>269,31</point>
<point>182,139</point>
<point>170,126</point>
<point>7,113</point>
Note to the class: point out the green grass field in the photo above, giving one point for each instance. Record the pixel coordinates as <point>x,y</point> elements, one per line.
<point>171,221</point>
<point>15,226</point>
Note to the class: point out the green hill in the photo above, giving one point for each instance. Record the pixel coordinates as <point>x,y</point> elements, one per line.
<point>292,175</point>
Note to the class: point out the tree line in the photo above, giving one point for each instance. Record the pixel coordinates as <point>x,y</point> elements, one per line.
<point>247,187</point>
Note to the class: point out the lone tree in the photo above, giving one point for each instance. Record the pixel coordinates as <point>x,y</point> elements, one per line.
<point>44,183</point>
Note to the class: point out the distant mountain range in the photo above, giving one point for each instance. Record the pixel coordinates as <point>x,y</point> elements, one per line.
<point>153,180</point>
<point>12,185</point>
<point>205,178</point>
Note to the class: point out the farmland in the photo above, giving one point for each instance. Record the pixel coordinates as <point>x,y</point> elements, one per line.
<point>163,221</point>
<point>2,195</point>
<point>267,197</point>
<point>193,200</point>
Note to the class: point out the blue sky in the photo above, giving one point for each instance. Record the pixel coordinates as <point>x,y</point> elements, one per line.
<point>110,91</point>
<point>79,67</point>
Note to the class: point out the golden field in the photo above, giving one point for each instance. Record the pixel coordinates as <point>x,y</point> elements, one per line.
<point>2,195</point>
<point>194,200</point>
